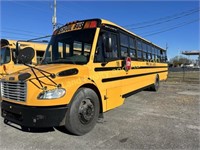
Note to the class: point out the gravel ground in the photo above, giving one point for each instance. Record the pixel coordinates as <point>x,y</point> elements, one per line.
<point>167,119</point>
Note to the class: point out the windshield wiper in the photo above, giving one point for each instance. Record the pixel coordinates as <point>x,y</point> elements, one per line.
<point>44,73</point>
<point>61,61</point>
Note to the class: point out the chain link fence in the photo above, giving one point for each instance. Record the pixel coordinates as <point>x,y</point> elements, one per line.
<point>190,75</point>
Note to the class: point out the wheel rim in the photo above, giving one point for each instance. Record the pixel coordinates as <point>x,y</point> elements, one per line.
<point>86,111</point>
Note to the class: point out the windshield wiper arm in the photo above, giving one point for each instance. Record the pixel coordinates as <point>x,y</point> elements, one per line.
<point>52,75</point>
<point>62,61</point>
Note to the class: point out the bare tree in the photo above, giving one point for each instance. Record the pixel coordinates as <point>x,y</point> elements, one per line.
<point>180,60</point>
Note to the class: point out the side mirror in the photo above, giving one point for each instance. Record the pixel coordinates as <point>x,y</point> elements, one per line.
<point>108,44</point>
<point>26,55</point>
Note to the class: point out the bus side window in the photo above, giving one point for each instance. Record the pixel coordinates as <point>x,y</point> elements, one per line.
<point>132,47</point>
<point>114,53</point>
<point>124,44</point>
<point>101,54</point>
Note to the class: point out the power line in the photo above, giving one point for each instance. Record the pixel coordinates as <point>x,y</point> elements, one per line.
<point>16,33</point>
<point>61,15</point>
<point>31,6</point>
<point>79,9</point>
<point>3,31</point>
<point>12,37</point>
<point>20,35</point>
<point>23,37</point>
<point>71,12</point>
<point>167,27</point>
<point>19,30</point>
<point>161,22</point>
<point>63,8</point>
<point>64,12</point>
<point>172,28</point>
<point>163,18</point>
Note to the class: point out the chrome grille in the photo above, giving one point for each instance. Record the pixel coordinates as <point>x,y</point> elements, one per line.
<point>13,90</point>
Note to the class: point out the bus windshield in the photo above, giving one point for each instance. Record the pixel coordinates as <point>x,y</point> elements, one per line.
<point>5,55</point>
<point>70,47</point>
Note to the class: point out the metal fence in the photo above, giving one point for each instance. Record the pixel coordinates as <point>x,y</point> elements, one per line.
<point>180,69</point>
<point>191,75</point>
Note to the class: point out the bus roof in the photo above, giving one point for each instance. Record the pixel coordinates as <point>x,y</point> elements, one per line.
<point>103,21</point>
<point>12,44</point>
<point>6,42</point>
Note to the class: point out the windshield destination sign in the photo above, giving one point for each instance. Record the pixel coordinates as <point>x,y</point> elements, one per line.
<point>71,27</point>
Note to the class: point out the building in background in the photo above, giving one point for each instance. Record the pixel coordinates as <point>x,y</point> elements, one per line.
<point>193,53</point>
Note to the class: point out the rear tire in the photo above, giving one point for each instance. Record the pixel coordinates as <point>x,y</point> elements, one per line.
<point>5,121</point>
<point>156,84</point>
<point>83,112</point>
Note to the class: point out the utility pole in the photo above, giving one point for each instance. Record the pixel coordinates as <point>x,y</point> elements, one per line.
<point>167,46</point>
<point>166,51</point>
<point>54,16</point>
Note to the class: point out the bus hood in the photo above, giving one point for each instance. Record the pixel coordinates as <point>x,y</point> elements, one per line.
<point>59,70</point>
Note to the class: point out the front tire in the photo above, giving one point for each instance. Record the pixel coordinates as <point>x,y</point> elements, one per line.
<point>83,112</point>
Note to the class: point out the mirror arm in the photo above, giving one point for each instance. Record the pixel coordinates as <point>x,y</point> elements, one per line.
<point>17,49</point>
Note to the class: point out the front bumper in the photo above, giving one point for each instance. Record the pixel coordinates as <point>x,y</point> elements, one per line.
<point>31,116</point>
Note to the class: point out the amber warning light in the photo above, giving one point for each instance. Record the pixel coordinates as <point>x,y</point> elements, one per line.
<point>90,24</point>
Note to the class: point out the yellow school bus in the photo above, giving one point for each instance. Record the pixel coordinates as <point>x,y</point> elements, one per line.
<point>8,62</point>
<point>89,67</point>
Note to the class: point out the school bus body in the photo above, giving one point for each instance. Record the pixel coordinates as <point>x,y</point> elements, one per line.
<point>110,81</point>
<point>10,66</point>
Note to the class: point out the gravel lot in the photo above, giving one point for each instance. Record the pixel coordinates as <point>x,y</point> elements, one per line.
<point>168,119</point>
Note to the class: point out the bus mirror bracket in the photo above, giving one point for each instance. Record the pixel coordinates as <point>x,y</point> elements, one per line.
<point>108,44</point>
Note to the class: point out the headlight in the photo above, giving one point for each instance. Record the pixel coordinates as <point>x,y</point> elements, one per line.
<point>52,94</point>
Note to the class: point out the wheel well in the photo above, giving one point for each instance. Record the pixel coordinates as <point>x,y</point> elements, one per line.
<point>93,87</point>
